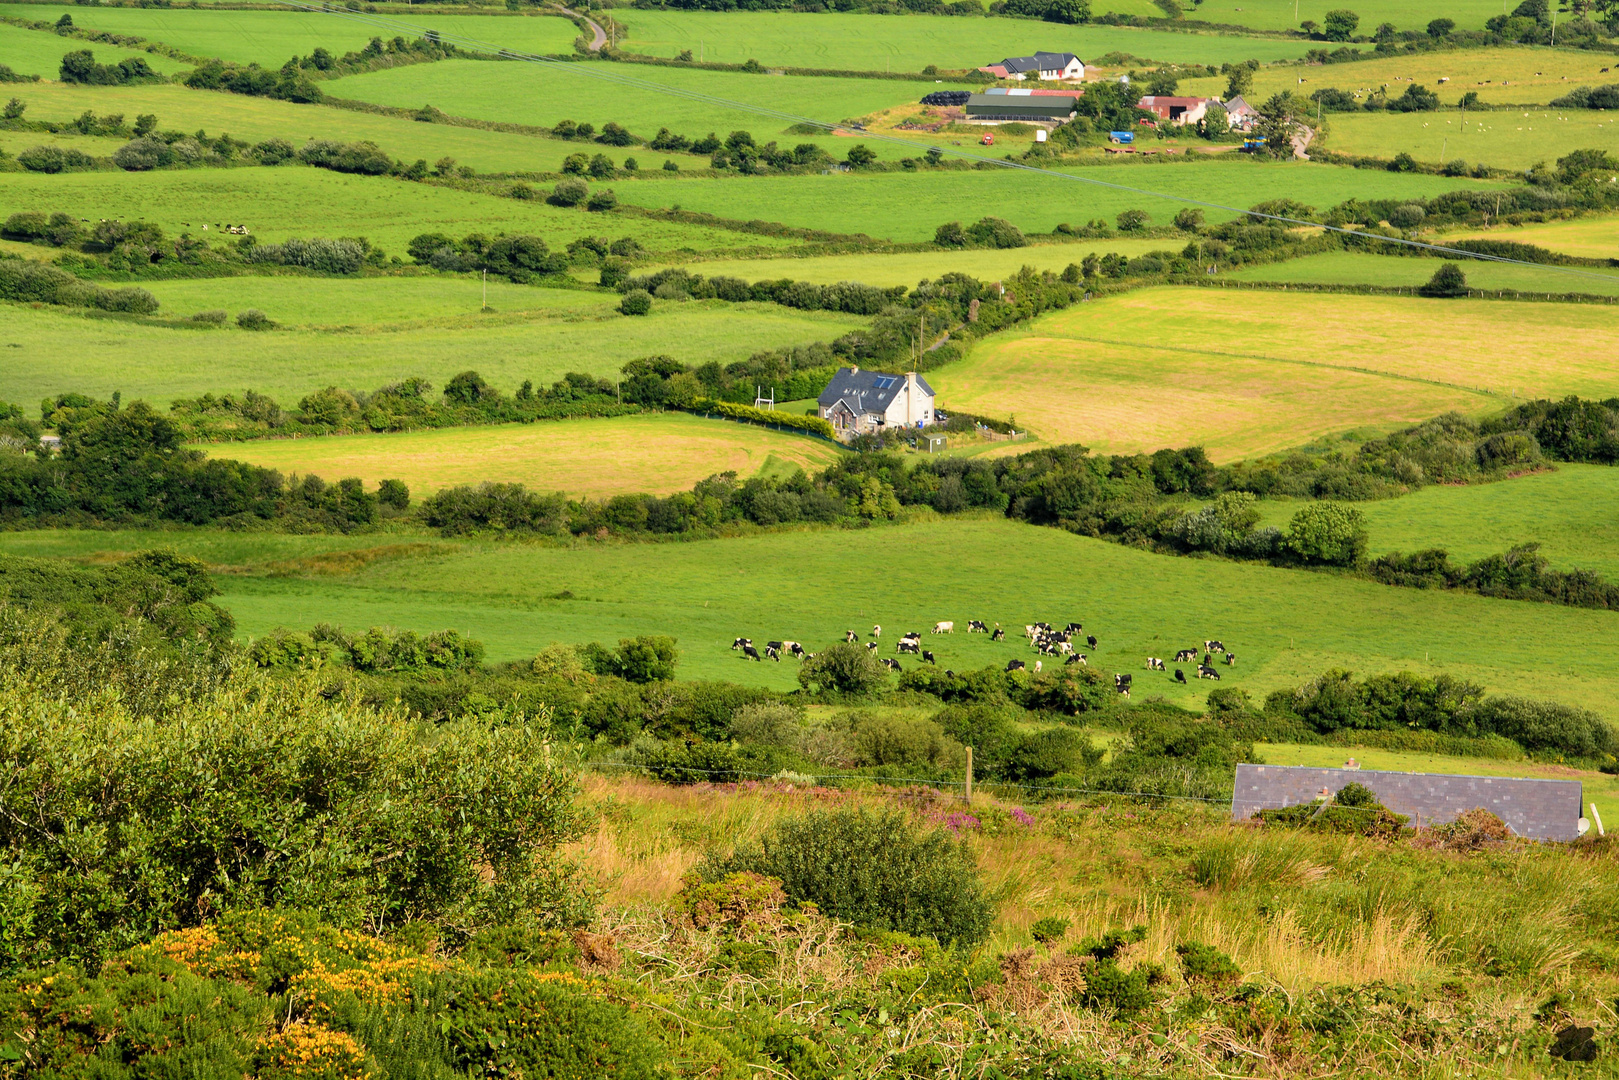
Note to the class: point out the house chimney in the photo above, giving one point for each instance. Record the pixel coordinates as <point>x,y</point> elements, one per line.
<point>854,369</point>
<point>911,394</point>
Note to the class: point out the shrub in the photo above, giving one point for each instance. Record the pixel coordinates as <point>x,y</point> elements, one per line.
<point>1108,986</point>
<point>365,158</point>
<point>996,232</point>
<point>139,155</point>
<point>1206,964</point>
<point>1327,533</point>
<point>212,318</point>
<point>843,668</point>
<point>602,201</point>
<point>254,319</point>
<point>1049,930</point>
<point>636,302</point>
<point>53,159</point>
<point>1447,281</point>
<point>569,191</point>
<point>873,869</point>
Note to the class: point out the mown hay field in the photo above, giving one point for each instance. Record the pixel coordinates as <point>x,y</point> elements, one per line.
<point>272,37</point>
<point>1358,268</point>
<point>256,119</point>
<point>1515,75</point>
<point>39,52</point>
<point>658,453</point>
<point>544,94</point>
<point>1286,626</point>
<point>1594,237</point>
<point>1517,139</point>
<point>297,200</point>
<point>52,351</point>
<point>858,42</point>
<point>1254,373</point>
<point>910,206</point>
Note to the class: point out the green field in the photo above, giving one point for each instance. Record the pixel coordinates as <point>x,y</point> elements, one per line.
<point>1286,626</point>
<point>1502,140</point>
<point>1572,512</point>
<point>39,52</point>
<point>296,200</point>
<point>910,206</point>
<point>270,38</point>
<point>659,453</point>
<point>1283,15</point>
<point>537,94</point>
<point>1358,268</point>
<point>1245,373</point>
<point>1515,74</point>
<point>856,42</point>
<point>256,119</point>
<point>57,351</point>
<point>1588,237</point>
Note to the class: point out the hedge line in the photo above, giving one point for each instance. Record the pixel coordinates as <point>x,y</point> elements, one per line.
<point>809,425</point>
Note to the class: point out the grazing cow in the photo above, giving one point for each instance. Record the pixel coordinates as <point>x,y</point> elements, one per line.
<point>1206,659</point>
<point>1154,664</point>
<point>797,650</point>
<point>1121,683</point>
<point>1076,658</point>
<point>908,646</point>
<point>974,626</point>
<point>1065,648</point>
<point>998,635</point>
<point>893,665</point>
<point>779,646</point>
<point>749,652</point>
<point>944,628</point>
<point>876,631</point>
<point>1231,659</point>
<point>1037,664</point>
<point>949,674</point>
<point>927,658</point>
<point>871,646</point>
<point>1206,672</point>
<point>1180,676</point>
<point>1072,628</point>
<point>740,642</point>
<point>1015,665</point>
<point>773,653</point>
<point>850,636</point>
<point>1214,646</point>
<point>1183,656</point>
<point>1091,641</point>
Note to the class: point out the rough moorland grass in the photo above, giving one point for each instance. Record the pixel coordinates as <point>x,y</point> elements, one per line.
<point>270,38</point>
<point>1253,372</point>
<point>1569,512</point>
<point>1469,14</point>
<point>536,94</point>
<point>855,42</point>
<point>296,200</point>
<point>1502,140</point>
<point>659,453</point>
<point>910,206</point>
<point>1358,268</point>
<point>58,351</point>
<point>39,52</point>
<point>1286,626</point>
<point>1513,75</point>
<point>255,119</point>
<point>1590,237</point>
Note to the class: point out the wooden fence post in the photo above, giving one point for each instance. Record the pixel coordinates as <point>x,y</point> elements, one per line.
<point>969,774</point>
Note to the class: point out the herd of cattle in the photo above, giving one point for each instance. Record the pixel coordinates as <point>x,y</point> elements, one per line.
<point>1042,637</point>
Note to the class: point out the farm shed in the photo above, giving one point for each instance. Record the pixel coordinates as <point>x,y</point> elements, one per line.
<point>1177,110</point>
<point>1021,105</point>
<point>1537,809</point>
<point>1042,65</point>
<point>858,402</point>
<point>1243,115</point>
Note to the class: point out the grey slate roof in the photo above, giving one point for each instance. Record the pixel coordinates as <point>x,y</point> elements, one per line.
<point>866,391</point>
<point>1538,809</point>
<point>1040,61</point>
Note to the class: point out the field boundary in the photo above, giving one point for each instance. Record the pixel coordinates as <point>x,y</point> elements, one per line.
<point>1505,295</point>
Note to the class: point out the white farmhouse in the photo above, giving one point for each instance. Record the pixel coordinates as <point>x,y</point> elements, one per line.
<point>858,402</point>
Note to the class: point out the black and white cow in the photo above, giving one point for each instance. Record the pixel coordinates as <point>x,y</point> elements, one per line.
<point>1154,664</point>
<point>797,650</point>
<point>749,652</point>
<point>893,665</point>
<point>1091,640</point>
<point>1180,676</point>
<point>876,631</point>
<point>1072,628</point>
<point>871,646</point>
<point>998,635</point>
<point>1214,646</point>
<point>974,626</point>
<point>928,658</point>
<point>850,636</point>
<point>773,653</point>
<point>906,645</point>
<point>1076,658</point>
<point>1016,665</point>
<point>1121,683</point>
<point>1206,672</point>
<point>1231,659</point>
<point>1185,656</point>
<point>741,642</point>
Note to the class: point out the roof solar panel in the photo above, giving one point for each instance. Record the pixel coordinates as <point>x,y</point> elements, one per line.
<point>883,382</point>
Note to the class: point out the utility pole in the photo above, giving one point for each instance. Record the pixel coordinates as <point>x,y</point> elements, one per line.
<point>485,291</point>
<point>969,791</point>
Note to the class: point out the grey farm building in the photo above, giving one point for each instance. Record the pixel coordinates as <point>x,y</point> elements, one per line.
<point>858,402</point>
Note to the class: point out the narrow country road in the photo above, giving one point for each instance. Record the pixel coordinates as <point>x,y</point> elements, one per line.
<point>598,36</point>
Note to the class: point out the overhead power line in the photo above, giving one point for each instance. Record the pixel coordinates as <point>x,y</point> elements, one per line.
<point>614,75</point>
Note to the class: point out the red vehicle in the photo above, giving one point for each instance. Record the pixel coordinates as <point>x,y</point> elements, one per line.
<point>988,139</point>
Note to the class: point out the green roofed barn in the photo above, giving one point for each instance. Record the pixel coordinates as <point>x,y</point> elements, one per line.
<point>1032,106</point>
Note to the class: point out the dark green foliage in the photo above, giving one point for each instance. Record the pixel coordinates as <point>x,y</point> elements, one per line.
<point>843,668</point>
<point>393,493</point>
<point>492,507</point>
<point>168,592</point>
<point>995,233</point>
<point>1110,987</point>
<point>1205,964</point>
<point>54,159</point>
<point>644,659</point>
<point>365,158</point>
<point>1447,281</point>
<point>1327,533</point>
<point>636,302</point>
<point>1354,811</point>
<point>81,67</point>
<point>872,869</point>
<point>35,282</point>
<point>384,649</point>
<point>569,191</point>
<point>1049,930</point>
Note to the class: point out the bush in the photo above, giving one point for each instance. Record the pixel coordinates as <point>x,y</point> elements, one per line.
<point>1327,533</point>
<point>996,233</point>
<point>1206,964</point>
<point>254,319</point>
<point>602,201</point>
<point>364,158</point>
<point>53,159</point>
<point>1049,930</point>
<point>636,302</point>
<point>1447,281</point>
<point>843,668</point>
<point>569,191</point>
<point>871,869</point>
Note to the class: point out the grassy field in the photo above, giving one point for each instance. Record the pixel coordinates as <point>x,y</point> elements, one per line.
<point>296,200</point>
<point>1519,74</point>
<point>57,351</point>
<point>1590,237</point>
<point>38,52</point>
<point>270,38</point>
<point>1358,268</point>
<point>597,458</point>
<point>1501,140</point>
<point>857,42</point>
<point>1281,15</point>
<point>255,119</point>
<point>1570,512</point>
<point>910,206</point>
<point>1285,625</point>
<point>1245,373</point>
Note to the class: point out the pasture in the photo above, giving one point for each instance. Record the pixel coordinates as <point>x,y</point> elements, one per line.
<point>1285,626</point>
<point>1281,15</point>
<point>1249,373</point>
<point>1516,139</point>
<point>298,200</point>
<point>1515,75</point>
<point>658,453</point>
<point>48,352</point>
<point>270,38</point>
<point>1588,237</point>
<point>860,42</point>
<point>40,52</point>
<point>909,206</point>
<point>256,119</point>
<point>539,94</point>
<point>1359,268</point>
